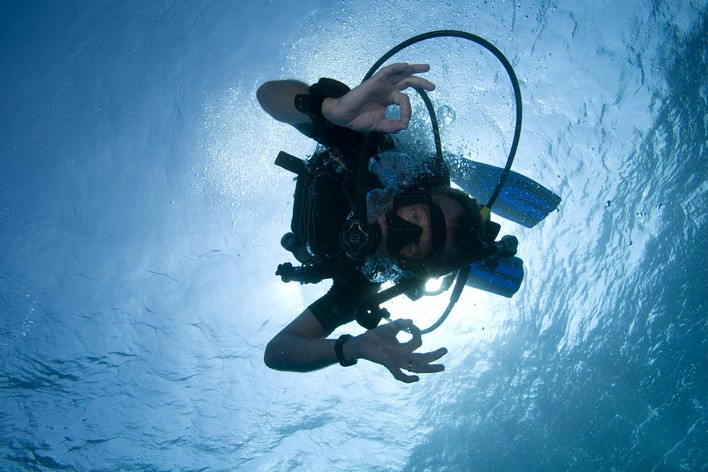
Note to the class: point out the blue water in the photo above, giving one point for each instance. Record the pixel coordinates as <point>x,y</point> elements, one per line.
<point>140,216</point>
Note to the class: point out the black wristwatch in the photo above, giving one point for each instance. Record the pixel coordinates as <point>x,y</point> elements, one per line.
<point>338,351</point>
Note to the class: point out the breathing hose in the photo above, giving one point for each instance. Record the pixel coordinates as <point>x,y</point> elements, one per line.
<point>463,272</point>
<point>507,66</point>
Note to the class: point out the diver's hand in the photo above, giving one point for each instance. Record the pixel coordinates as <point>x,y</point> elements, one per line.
<point>380,345</point>
<point>363,107</point>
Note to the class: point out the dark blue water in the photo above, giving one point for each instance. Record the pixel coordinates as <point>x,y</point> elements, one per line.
<point>140,216</point>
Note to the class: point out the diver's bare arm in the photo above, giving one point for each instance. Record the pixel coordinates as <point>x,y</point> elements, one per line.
<point>300,346</point>
<point>277,98</point>
<point>361,109</point>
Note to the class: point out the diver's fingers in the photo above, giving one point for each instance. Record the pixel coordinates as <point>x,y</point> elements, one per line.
<point>414,69</point>
<point>399,375</point>
<point>417,83</point>
<point>392,70</point>
<point>421,363</point>
<point>404,104</point>
<point>398,325</point>
<point>418,68</point>
<point>417,340</point>
<point>426,368</point>
<point>428,357</point>
<point>400,71</point>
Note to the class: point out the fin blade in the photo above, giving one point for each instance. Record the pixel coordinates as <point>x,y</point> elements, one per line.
<point>522,200</point>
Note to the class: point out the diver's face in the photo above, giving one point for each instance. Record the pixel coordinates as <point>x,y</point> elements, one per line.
<point>419,214</point>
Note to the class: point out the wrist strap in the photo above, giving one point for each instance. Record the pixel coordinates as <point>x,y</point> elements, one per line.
<point>338,351</point>
<point>310,103</point>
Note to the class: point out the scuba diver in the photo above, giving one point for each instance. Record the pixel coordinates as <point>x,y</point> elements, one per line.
<point>425,229</point>
<point>420,229</point>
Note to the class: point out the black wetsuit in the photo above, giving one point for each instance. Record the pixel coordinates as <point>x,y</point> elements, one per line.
<point>324,199</point>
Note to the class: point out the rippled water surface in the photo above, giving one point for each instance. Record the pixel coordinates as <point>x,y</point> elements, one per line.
<point>140,218</point>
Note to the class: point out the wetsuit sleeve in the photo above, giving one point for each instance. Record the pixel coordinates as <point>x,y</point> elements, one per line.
<point>339,306</point>
<point>331,135</point>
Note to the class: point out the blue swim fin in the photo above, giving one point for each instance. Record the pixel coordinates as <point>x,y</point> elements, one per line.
<point>522,200</point>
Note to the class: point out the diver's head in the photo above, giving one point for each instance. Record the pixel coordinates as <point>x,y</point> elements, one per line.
<point>424,230</point>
